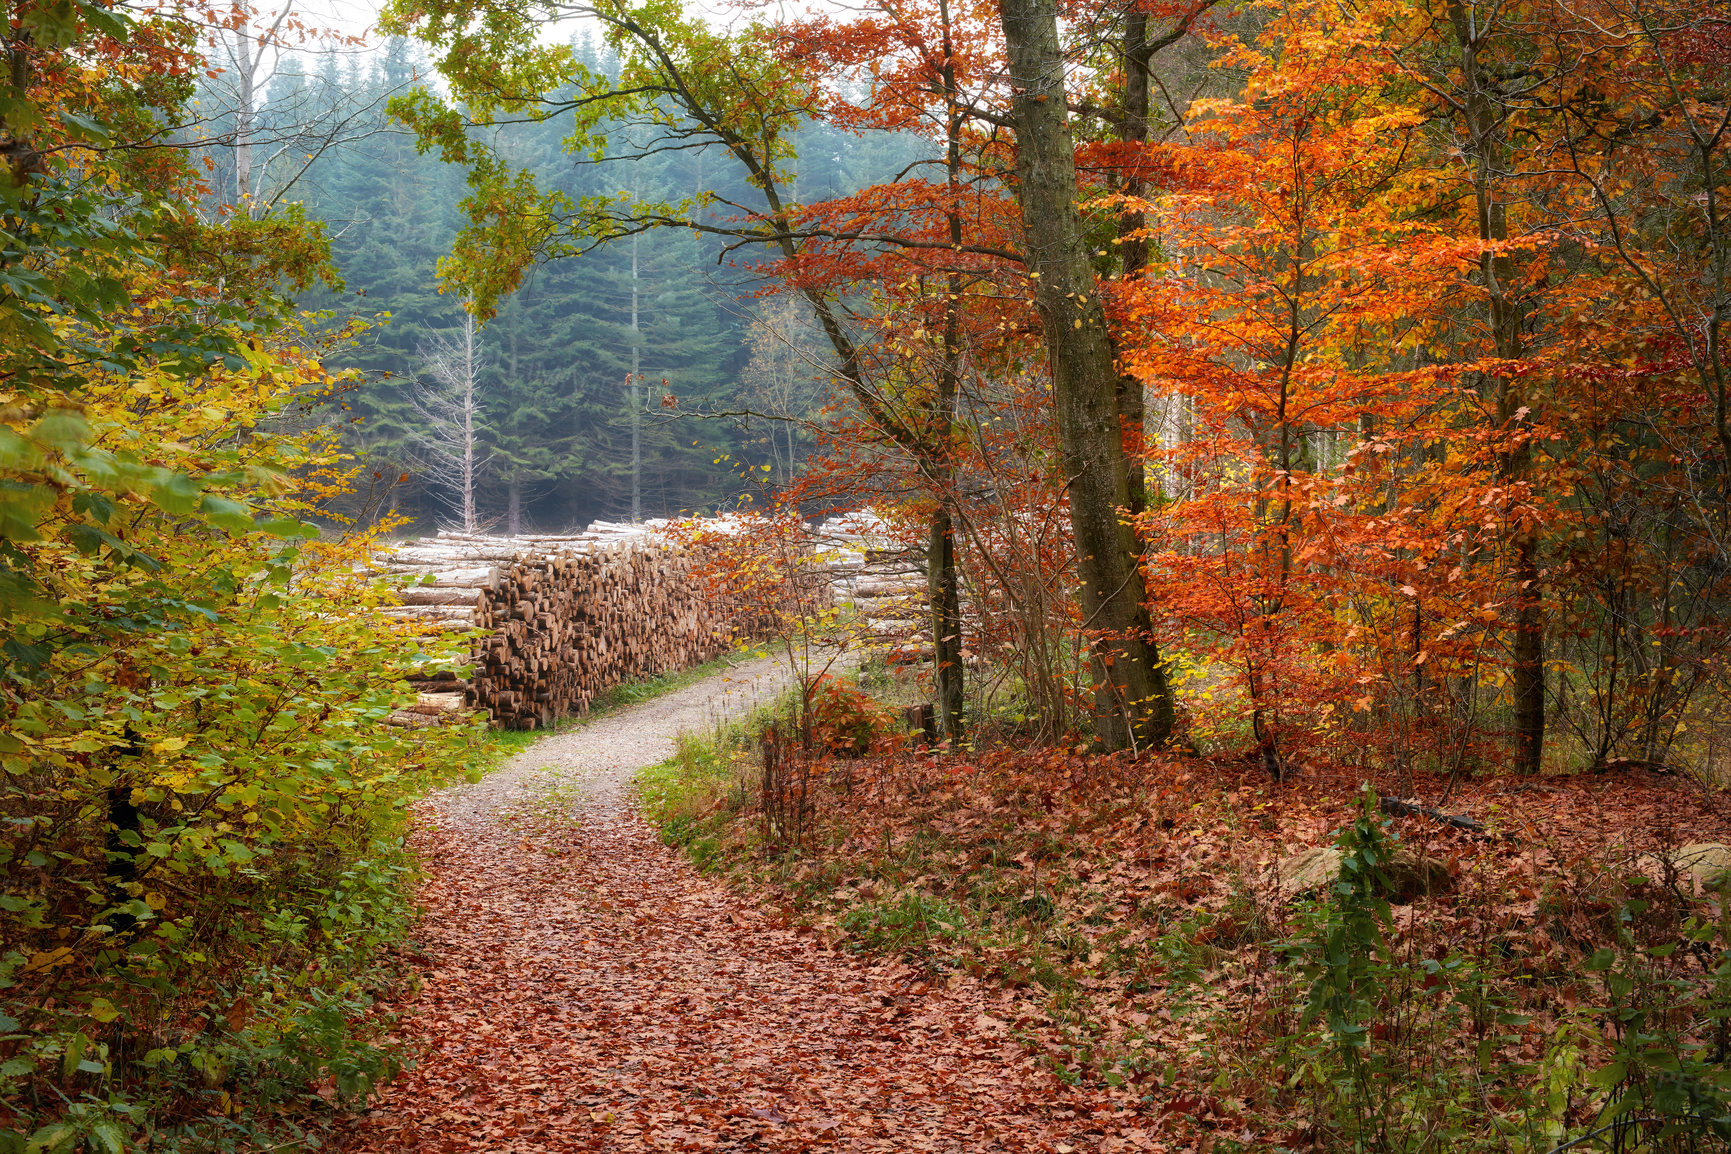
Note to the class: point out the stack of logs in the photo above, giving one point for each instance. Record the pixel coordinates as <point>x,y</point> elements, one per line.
<point>886,582</point>
<point>891,597</point>
<point>561,619</point>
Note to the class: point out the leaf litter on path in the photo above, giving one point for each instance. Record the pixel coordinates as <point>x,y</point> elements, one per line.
<point>585,989</point>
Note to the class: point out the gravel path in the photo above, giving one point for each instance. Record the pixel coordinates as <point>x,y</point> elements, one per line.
<point>604,754</point>
<point>584,989</point>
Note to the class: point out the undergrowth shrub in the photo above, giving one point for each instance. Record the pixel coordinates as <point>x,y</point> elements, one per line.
<point>1662,1024</point>
<point>1400,1050</point>
<point>844,720</point>
<point>1394,1050</point>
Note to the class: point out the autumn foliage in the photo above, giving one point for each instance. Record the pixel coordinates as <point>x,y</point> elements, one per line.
<point>200,808</point>
<point>1432,404</point>
<point>1338,391</point>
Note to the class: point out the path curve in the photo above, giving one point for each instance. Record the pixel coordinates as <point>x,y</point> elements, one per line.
<point>585,989</point>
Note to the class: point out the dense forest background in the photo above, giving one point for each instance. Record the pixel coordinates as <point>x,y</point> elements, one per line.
<point>554,421</point>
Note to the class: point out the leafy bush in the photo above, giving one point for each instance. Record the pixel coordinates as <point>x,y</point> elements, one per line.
<point>845,720</point>
<point>201,808</point>
<point>1403,1054</point>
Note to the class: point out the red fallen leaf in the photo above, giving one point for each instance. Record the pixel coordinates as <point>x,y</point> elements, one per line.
<point>771,1115</point>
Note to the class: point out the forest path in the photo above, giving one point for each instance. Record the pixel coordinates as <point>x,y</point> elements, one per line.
<point>586,989</point>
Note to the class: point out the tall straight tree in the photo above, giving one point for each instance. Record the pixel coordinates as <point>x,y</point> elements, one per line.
<point>928,64</point>
<point>1487,72</point>
<point>1133,703</point>
<point>633,383</point>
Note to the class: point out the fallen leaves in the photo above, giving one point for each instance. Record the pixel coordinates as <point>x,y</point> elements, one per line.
<point>1122,912</point>
<point>613,999</point>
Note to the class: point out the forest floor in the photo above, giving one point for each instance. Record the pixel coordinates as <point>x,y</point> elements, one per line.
<point>584,988</point>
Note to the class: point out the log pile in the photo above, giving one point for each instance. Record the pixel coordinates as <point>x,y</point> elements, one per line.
<point>560,618</point>
<point>894,604</point>
<point>885,580</point>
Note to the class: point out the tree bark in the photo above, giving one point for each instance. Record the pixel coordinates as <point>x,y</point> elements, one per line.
<point>946,607</point>
<point>943,586</point>
<point>1133,701</point>
<point>1133,248</point>
<point>1507,319</point>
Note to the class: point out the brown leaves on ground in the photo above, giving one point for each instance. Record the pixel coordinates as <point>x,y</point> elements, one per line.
<point>585,989</point>
<point>1127,916</point>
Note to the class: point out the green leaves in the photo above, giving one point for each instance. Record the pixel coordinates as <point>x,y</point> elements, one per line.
<point>682,84</point>
<point>175,493</point>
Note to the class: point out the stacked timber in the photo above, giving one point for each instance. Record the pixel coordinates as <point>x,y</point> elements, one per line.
<point>884,578</point>
<point>894,603</point>
<point>558,618</point>
<point>844,542</point>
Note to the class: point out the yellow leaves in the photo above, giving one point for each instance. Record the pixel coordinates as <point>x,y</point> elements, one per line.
<point>45,960</point>
<point>169,744</point>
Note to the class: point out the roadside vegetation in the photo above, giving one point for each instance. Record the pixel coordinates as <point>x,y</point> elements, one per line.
<point>1254,965</point>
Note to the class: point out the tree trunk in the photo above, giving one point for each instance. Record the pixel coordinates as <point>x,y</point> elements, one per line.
<point>514,507</point>
<point>244,112</point>
<point>471,521</point>
<point>631,393</point>
<point>1497,273</point>
<point>1132,408</point>
<point>943,586</point>
<point>1133,702</point>
<point>945,596</point>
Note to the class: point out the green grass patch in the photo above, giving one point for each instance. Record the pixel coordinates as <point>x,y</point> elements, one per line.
<point>688,797</point>
<point>914,923</point>
<point>694,795</point>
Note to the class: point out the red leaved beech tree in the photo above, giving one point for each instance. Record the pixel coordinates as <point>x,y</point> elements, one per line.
<point>1300,254</point>
<point>928,244</point>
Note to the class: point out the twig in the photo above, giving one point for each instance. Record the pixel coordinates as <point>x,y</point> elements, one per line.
<point>1404,807</point>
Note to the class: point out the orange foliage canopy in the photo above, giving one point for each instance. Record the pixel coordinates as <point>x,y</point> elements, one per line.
<point>1368,492</point>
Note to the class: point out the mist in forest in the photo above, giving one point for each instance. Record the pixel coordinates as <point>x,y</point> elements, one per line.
<point>644,378</point>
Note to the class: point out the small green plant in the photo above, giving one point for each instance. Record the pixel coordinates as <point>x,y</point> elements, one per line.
<point>1346,946</point>
<point>1380,1043</point>
<point>1667,1036</point>
<point>909,924</point>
